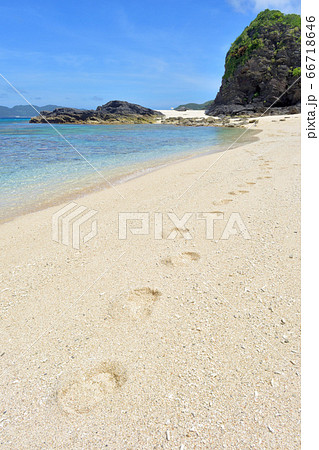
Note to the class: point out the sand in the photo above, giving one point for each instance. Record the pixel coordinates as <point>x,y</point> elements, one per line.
<point>190,114</point>
<point>161,343</point>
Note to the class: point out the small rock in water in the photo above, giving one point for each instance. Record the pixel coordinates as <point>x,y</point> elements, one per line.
<point>271,429</point>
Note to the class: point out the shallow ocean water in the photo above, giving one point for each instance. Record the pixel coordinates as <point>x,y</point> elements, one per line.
<point>39,168</point>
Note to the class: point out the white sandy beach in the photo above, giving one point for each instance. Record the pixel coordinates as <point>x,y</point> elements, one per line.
<point>175,343</point>
<point>190,114</point>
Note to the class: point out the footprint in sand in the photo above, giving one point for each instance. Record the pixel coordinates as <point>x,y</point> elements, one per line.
<point>223,202</point>
<point>91,388</point>
<point>138,305</point>
<point>181,259</point>
<point>180,233</point>
<point>243,192</point>
<point>250,182</point>
<point>250,152</point>
<point>232,193</point>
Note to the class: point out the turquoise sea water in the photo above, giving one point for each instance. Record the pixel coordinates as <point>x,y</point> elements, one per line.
<point>39,168</point>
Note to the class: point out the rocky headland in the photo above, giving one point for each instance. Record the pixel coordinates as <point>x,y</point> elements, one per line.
<point>113,112</point>
<point>262,68</point>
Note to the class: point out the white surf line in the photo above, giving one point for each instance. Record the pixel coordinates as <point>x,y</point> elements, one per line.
<point>60,134</point>
<point>59,316</point>
<point>248,128</point>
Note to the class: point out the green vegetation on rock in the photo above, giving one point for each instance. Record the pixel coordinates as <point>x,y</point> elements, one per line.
<point>270,23</point>
<point>296,72</point>
<point>262,68</point>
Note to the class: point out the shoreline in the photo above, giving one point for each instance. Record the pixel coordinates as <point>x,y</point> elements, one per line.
<point>123,178</point>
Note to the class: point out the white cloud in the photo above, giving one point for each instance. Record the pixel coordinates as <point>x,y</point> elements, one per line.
<point>285,6</point>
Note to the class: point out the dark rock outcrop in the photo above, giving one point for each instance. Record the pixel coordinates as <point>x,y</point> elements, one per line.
<point>205,122</point>
<point>262,63</point>
<point>114,112</point>
<point>64,115</point>
<point>125,109</point>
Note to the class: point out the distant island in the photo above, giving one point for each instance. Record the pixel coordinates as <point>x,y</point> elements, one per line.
<point>23,111</point>
<point>194,106</point>
<point>262,63</point>
<point>113,112</point>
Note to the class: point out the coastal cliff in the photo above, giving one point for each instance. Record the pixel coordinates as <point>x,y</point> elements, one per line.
<point>113,112</point>
<point>262,63</point>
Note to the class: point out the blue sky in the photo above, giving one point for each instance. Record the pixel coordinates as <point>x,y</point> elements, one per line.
<point>155,53</point>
